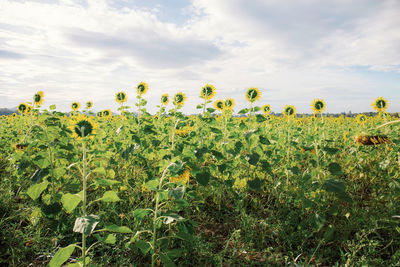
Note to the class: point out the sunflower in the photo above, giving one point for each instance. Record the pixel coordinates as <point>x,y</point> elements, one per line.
<point>380,104</point>
<point>29,109</point>
<point>82,126</point>
<point>142,88</point>
<point>106,113</point>
<point>20,147</point>
<point>207,91</point>
<point>164,99</point>
<point>184,177</point>
<point>38,98</point>
<point>219,104</point>
<point>89,104</point>
<point>361,118</point>
<point>121,97</point>
<point>266,109</point>
<point>179,99</point>
<point>318,105</point>
<point>75,106</point>
<point>22,108</point>
<point>99,114</point>
<point>289,110</point>
<point>253,94</point>
<point>229,103</point>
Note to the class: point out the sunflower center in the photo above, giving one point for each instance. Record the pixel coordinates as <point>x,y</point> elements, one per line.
<point>381,103</point>
<point>266,109</point>
<point>121,96</point>
<point>83,128</point>
<point>22,108</point>
<point>37,98</point>
<point>141,88</point>
<point>220,105</point>
<point>106,112</point>
<point>252,93</point>
<point>289,111</point>
<point>319,105</point>
<point>178,98</point>
<point>164,99</point>
<point>74,105</point>
<point>207,91</point>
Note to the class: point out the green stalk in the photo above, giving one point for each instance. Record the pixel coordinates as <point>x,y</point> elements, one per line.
<point>84,201</point>
<point>155,218</point>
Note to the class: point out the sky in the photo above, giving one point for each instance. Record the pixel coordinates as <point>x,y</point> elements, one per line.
<point>344,52</point>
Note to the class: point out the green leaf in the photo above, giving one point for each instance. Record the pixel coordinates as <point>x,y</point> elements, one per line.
<point>175,253</point>
<point>110,239</point>
<point>264,140</point>
<point>118,229</point>
<point>110,196</point>
<point>260,118</point>
<point>243,111</point>
<point>334,186</point>
<point>203,178</point>
<point>152,184</point>
<point>335,169</point>
<point>39,175</point>
<point>86,224</point>
<point>140,213</point>
<point>52,107</point>
<point>70,201</point>
<point>143,246</point>
<point>215,130</point>
<point>211,110</point>
<point>61,256</point>
<point>41,161</point>
<point>35,190</point>
<point>166,260</point>
<point>100,170</point>
<point>255,184</point>
<point>253,158</point>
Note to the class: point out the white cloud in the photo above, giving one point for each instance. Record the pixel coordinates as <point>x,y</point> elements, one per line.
<point>292,50</point>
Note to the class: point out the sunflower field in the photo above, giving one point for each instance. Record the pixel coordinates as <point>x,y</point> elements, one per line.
<point>221,188</point>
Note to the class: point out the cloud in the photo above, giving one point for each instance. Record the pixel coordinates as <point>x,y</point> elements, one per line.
<point>152,49</point>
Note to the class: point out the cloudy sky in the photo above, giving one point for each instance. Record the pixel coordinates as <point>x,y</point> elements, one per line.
<point>345,52</point>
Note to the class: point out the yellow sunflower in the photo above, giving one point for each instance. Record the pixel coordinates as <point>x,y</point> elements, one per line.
<point>253,94</point>
<point>289,111</point>
<point>142,88</point>
<point>99,114</point>
<point>179,99</point>
<point>82,126</point>
<point>219,104</point>
<point>75,106</point>
<point>20,147</point>
<point>29,109</point>
<point>361,118</point>
<point>184,177</point>
<point>266,109</point>
<point>22,108</point>
<point>106,113</point>
<point>121,97</point>
<point>165,99</point>
<point>38,98</point>
<point>207,92</point>
<point>229,103</point>
<point>380,104</point>
<point>89,104</point>
<point>318,105</point>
